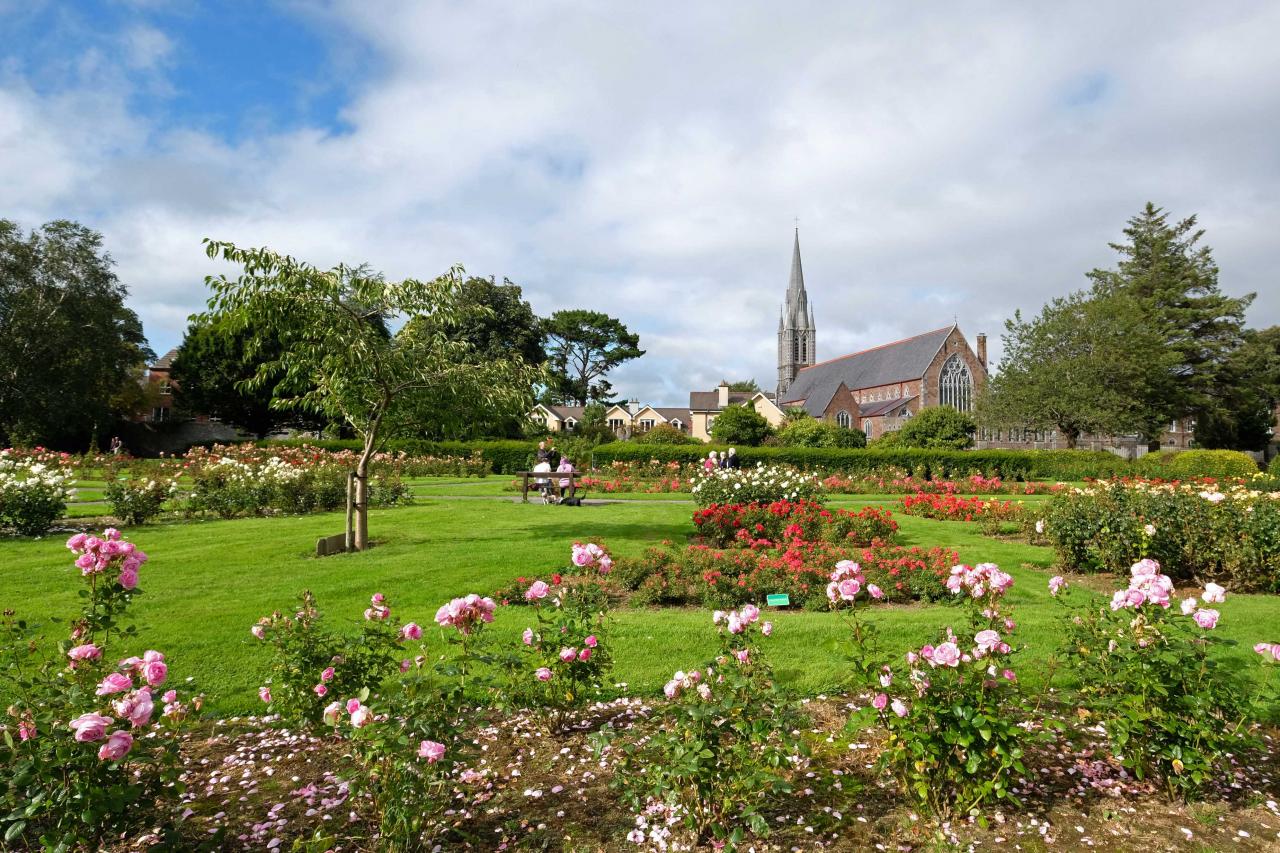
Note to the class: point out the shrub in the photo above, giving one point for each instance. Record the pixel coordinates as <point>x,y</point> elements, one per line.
<point>311,665</point>
<point>1219,464</point>
<point>938,427</point>
<point>991,514</point>
<point>811,432</point>
<point>83,759</point>
<point>773,524</point>
<point>740,425</point>
<point>1231,536</point>
<point>1170,708</point>
<point>139,498</point>
<point>760,484</point>
<point>34,490</point>
<point>665,434</point>
<point>1274,468</point>
<point>722,748</point>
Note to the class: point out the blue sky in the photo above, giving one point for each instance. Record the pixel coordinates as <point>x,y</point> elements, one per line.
<point>648,160</point>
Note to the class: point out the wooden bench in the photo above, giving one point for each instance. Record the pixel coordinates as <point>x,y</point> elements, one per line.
<point>552,477</point>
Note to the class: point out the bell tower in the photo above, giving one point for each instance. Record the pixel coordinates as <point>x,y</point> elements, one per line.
<point>797,335</point>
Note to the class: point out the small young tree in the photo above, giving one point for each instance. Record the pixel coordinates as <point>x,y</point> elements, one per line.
<point>938,427</point>
<point>352,369</point>
<point>811,432</point>
<point>740,425</point>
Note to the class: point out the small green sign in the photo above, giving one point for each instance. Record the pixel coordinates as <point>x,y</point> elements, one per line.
<point>777,599</point>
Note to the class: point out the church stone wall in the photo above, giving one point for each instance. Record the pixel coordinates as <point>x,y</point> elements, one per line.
<point>955,343</point>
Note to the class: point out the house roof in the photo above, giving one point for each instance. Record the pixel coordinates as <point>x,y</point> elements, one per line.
<point>884,407</point>
<point>671,414</point>
<point>566,412</point>
<point>709,401</point>
<point>895,362</point>
<point>165,361</point>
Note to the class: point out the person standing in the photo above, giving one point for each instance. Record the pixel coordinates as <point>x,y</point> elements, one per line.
<point>710,463</point>
<point>731,459</point>
<point>544,453</point>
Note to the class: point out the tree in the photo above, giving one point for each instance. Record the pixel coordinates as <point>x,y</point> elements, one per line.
<point>212,374</point>
<point>664,434</point>
<point>1085,364</point>
<point>1174,282</point>
<point>497,322</point>
<point>68,344</point>
<point>795,413</point>
<point>337,360</point>
<point>744,385</point>
<point>583,346</point>
<point>938,427</point>
<point>811,432</point>
<point>740,425</point>
<point>1242,412</point>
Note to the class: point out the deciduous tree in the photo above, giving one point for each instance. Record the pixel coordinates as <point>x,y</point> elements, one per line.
<point>740,425</point>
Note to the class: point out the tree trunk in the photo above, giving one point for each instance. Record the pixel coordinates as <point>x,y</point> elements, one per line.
<point>1071,436</point>
<point>362,496</point>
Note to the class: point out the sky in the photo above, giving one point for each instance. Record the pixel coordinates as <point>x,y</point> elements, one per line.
<point>945,162</point>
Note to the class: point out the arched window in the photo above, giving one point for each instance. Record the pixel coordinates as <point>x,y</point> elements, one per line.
<point>866,427</point>
<point>843,419</point>
<point>955,385</point>
<point>795,348</point>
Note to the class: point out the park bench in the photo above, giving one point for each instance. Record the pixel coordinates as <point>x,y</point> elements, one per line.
<point>552,477</point>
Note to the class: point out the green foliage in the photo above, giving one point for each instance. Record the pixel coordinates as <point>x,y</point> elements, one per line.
<point>306,656</point>
<point>1171,709</point>
<point>68,344</point>
<point>1219,464</point>
<point>582,347</point>
<point>139,496</point>
<point>333,344</point>
<point>1274,468</point>
<point>665,434</point>
<point>740,425</point>
<point>744,385</point>
<point>33,493</point>
<point>939,428</point>
<point>721,749</point>
<point>1243,411</point>
<point>811,432</point>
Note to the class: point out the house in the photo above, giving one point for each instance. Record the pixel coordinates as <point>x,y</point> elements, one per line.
<point>705,405</point>
<point>158,377</point>
<point>625,420</point>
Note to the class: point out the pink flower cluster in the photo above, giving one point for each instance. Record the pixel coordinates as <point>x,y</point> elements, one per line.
<point>95,555</point>
<point>1271,650</point>
<point>1147,585</point>
<point>377,610</point>
<point>466,613</point>
<point>847,582</point>
<point>591,554</point>
<point>978,581</point>
<point>737,621</point>
<point>150,668</point>
<point>135,706</point>
<point>359,714</point>
<point>682,681</point>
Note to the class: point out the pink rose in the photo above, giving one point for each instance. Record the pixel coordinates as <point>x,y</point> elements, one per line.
<point>76,542</point>
<point>743,655</point>
<point>849,588</point>
<point>947,654</point>
<point>1188,606</point>
<point>527,636</point>
<point>361,718</point>
<point>116,682</point>
<point>116,747</point>
<point>378,598</point>
<point>987,640</point>
<point>735,624</point>
<point>543,674</point>
<point>86,652</point>
<point>536,591</point>
<point>875,591</point>
<point>431,751</point>
<point>584,655</point>
<point>259,632</point>
<point>264,693</point>
<point>136,707</point>
<point>321,689</point>
<point>90,727</point>
<point>567,654</point>
<point>332,713</point>
<point>767,629</point>
<point>170,696</point>
<point>590,642</point>
<point>411,631</point>
<point>1009,675</point>
<point>327,675</point>
<point>1057,584</point>
<point>750,613</point>
<point>129,580</point>
<point>880,702</point>
<point>898,707</point>
<point>1214,594</point>
<point>1206,618</point>
<point>155,672</point>
<point>353,705</point>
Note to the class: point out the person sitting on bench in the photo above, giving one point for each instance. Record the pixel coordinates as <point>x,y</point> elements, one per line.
<point>565,467</point>
<point>543,484</point>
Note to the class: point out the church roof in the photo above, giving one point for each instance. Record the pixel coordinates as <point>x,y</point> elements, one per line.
<point>896,362</point>
<point>884,407</point>
<point>165,361</point>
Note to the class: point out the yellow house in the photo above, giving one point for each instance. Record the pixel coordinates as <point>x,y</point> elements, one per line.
<point>705,405</point>
<point>625,421</point>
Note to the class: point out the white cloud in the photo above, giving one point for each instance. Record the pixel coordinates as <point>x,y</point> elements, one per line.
<point>647,160</point>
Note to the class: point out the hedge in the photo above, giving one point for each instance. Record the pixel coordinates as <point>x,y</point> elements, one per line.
<point>507,457</point>
<point>1188,464</point>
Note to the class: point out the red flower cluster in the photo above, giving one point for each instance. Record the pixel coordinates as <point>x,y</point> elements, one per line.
<point>756,525</point>
<point>955,508</point>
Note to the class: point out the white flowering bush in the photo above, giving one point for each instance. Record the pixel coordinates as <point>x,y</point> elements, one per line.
<point>140,497</point>
<point>33,491</point>
<point>761,484</point>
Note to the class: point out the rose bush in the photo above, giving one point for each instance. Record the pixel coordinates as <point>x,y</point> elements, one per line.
<point>140,494</point>
<point>785,521</point>
<point>34,490</point>
<point>992,515</point>
<point>91,739</point>
<point>761,484</point>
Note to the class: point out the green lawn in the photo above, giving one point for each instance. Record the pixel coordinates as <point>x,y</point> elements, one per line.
<point>207,582</point>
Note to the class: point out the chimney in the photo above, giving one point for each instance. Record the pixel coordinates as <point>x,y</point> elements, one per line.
<point>982,348</point>
<point>722,394</point>
<point>633,405</point>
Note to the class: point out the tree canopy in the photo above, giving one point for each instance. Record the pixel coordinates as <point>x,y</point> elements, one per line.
<point>740,425</point>
<point>582,347</point>
<point>938,428</point>
<point>496,321</point>
<point>68,345</point>
<point>811,432</point>
<point>338,360</point>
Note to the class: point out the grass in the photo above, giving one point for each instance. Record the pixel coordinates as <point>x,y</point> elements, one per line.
<point>207,582</point>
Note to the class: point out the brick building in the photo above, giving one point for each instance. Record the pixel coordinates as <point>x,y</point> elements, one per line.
<point>158,375</point>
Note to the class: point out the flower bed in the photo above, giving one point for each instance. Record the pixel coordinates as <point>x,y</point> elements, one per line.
<point>34,489</point>
<point>898,482</point>
<point>719,578</point>
<point>766,525</point>
<point>991,514</point>
<point>761,484</point>
<point>1200,531</point>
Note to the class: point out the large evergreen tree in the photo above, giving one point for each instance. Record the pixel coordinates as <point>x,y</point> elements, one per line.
<point>582,347</point>
<point>68,344</point>
<point>1242,414</point>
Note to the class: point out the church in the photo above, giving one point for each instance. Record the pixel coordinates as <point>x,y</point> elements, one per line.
<point>878,389</point>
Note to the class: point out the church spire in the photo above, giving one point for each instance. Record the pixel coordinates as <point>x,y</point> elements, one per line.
<point>796,328</point>
<point>796,285</point>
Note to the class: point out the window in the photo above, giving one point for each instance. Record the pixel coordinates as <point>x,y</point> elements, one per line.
<point>843,419</point>
<point>866,427</point>
<point>160,413</point>
<point>615,424</point>
<point>646,424</point>
<point>711,419</point>
<point>795,348</point>
<point>675,422</point>
<point>955,385</point>
<point>570,424</point>
<point>165,387</point>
